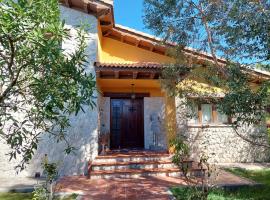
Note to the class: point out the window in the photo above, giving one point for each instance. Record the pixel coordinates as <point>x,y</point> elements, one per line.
<point>206,110</point>
<point>206,113</point>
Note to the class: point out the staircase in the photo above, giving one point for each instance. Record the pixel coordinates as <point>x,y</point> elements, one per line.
<point>134,164</point>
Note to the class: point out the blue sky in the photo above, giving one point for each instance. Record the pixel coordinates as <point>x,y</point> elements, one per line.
<point>129,13</point>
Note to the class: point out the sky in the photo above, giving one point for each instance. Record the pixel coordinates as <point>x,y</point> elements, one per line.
<point>130,13</point>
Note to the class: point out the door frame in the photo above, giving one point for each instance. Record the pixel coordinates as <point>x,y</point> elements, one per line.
<point>128,96</point>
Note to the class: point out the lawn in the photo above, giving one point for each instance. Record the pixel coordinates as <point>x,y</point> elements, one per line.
<point>15,196</point>
<point>28,196</point>
<point>250,193</point>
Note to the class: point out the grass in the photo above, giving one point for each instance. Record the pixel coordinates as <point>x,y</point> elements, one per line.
<point>15,196</point>
<point>28,196</point>
<point>260,176</point>
<point>247,193</point>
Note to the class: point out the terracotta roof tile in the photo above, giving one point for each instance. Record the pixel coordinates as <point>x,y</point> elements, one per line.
<point>138,65</point>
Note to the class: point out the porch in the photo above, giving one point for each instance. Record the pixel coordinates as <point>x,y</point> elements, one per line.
<point>133,109</point>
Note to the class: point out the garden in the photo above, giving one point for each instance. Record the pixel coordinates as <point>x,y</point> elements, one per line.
<point>256,192</point>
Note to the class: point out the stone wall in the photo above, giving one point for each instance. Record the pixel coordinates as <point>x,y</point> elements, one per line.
<point>83,132</point>
<point>223,145</point>
<point>104,114</point>
<point>154,106</point>
<point>220,142</point>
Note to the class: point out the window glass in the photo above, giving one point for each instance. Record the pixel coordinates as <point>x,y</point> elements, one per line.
<point>206,113</point>
<point>221,117</point>
<point>193,113</point>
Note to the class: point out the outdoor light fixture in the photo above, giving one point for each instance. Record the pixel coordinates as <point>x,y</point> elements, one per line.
<point>133,95</point>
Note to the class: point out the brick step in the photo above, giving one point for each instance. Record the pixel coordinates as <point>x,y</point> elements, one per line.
<point>122,155</point>
<point>133,165</point>
<point>134,173</point>
<point>132,158</point>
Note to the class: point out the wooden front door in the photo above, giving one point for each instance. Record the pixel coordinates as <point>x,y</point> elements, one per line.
<point>127,129</point>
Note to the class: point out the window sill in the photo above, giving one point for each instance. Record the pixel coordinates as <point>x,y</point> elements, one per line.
<point>208,125</point>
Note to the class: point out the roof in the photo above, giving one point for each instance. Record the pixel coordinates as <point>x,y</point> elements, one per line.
<point>103,10</point>
<point>138,65</point>
<point>142,70</point>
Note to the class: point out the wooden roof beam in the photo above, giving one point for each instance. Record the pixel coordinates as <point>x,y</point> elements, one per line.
<point>103,13</point>
<point>107,33</point>
<point>137,43</point>
<point>98,74</point>
<point>135,75</point>
<point>152,75</point>
<point>122,37</point>
<point>105,23</point>
<point>116,74</point>
<point>89,8</point>
<point>152,47</point>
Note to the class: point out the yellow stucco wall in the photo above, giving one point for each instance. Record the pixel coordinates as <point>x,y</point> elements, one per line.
<point>115,51</point>
<point>124,86</point>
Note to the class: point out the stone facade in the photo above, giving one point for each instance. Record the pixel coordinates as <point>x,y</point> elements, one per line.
<point>223,145</point>
<point>83,132</point>
<point>154,106</point>
<point>104,114</point>
<point>220,142</point>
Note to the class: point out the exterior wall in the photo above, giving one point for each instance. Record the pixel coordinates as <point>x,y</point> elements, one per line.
<point>220,142</point>
<point>154,106</point>
<point>124,86</point>
<point>222,145</point>
<point>6,166</point>
<point>112,51</point>
<point>83,132</point>
<point>170,117</point>
<point>104,114</point>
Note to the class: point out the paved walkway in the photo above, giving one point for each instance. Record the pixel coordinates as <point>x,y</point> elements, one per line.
<point>141,188</point>
<point>18,184</point>
<point>248,166</point>
<point>150,188</point>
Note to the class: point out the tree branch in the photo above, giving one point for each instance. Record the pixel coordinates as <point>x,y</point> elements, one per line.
<point>209,36</point>
<point>11,85</point>
<point>248,140</point>
<point>11,59</point>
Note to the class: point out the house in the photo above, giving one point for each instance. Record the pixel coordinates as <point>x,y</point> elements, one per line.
<point>131,105</point>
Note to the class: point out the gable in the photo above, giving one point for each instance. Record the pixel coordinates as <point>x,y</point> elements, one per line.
<point>115,51</point>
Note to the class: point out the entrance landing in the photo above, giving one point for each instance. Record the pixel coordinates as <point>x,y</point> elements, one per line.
<point>154,188</point>
<point>139,152</point>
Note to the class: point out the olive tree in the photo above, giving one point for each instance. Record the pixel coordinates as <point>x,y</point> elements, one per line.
<point>41,85</point>
<point>237,31</point>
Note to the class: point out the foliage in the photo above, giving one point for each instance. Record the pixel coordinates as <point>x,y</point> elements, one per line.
<point>69,197</point>
<point>51,171</point>
<point>41,85</point>
<point>236,29</point>
<point>29,196</point>
<point>244,193</point>
<point>249,193</point>
<point>181,151</point>
<point>261,176</point>
<point>46,191</point>
<point>233,29</point>
<point>186,193</point>
<point>15,196</point>
<point>40,193</point>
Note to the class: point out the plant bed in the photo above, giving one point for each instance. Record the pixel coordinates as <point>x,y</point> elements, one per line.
<point>261,192</point>
<point>15,196</point>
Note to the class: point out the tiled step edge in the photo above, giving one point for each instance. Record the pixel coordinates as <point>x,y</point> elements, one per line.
<point>133,173</point>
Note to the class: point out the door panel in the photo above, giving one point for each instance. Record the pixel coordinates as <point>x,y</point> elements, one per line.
<point>127,123</point>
